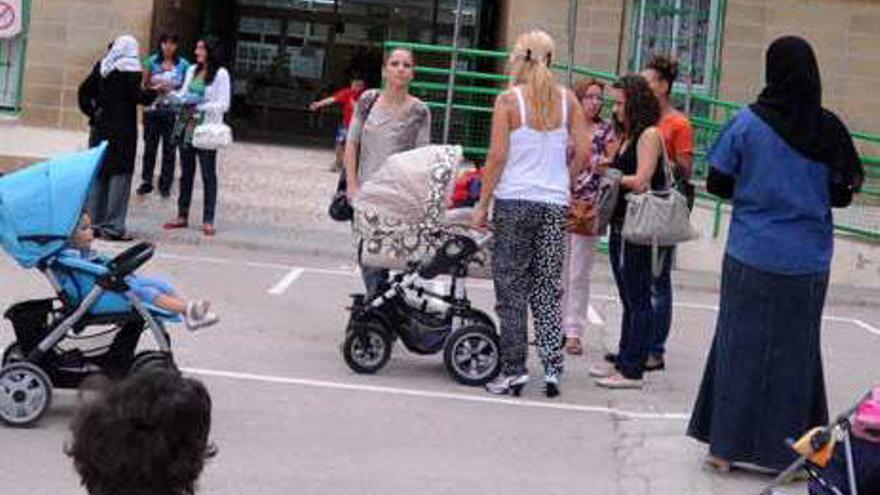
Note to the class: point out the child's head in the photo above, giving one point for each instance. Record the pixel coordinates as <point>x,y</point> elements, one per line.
<point>146,435</point>
<point>357,83</point>
<point>83,236</point>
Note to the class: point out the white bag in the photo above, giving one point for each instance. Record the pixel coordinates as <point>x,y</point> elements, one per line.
<point>212,133</point>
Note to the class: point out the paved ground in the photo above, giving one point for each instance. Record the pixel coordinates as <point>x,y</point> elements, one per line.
<point>291,418</point>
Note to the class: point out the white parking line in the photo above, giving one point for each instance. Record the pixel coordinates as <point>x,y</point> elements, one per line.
<point>281,287</point>
<point>594,317</point>
<point>427,394</point>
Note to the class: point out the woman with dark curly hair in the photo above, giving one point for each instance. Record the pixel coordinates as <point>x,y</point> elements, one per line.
<point>147,435</point>
<point>636,114</point>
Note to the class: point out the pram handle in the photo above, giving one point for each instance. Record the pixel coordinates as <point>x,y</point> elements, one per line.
<point>125,263</point>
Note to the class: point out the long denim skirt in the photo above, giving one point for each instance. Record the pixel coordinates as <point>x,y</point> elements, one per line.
<point>763,381</point>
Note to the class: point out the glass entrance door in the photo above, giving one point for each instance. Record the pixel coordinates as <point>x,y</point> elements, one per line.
<point>288,53</point>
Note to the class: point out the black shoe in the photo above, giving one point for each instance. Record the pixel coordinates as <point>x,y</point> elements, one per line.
<point>123,237</point>
<point>654,363</point>
<point>165,193</point>
<point>651,364</point>
<point>551,386</point>
<point>144,189</point>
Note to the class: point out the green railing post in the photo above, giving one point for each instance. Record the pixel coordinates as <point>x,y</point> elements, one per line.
<point>453,66</point>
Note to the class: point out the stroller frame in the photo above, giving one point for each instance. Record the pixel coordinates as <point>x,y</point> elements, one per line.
<point>29,378</point>
<point>842,427</point>
<point>60,332</point>
<point>466,336</point>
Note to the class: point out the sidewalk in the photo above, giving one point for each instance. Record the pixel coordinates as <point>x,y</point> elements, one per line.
<point>275,198</point>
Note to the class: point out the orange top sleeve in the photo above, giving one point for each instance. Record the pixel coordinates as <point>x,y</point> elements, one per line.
<point>679,136</point>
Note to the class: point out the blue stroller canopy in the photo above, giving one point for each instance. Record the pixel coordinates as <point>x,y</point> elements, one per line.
<point>41,205</point>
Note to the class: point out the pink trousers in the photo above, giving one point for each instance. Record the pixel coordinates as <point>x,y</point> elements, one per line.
<point>576,283</point>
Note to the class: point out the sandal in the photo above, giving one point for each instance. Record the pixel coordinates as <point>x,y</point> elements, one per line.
<point>209,230</point>
<point>176,224</point>
<point>573,346</point>
<point>716,464</point>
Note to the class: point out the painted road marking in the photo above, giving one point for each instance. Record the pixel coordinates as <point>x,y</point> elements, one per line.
<point>281,287</point>
<point>427,394</point>
<point>594,317</point>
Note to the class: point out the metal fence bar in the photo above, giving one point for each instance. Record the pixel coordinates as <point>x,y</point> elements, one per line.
<point>453,66</point>
<point>471,101</point>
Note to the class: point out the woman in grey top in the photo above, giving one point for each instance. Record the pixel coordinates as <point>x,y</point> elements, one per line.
<point>385,122</point>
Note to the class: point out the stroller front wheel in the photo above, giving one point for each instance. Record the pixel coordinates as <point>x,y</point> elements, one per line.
<point>366,349</point>
<point>25,394</point>
<point>153,360</point>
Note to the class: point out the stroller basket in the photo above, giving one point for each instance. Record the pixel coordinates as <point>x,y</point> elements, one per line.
<point>31,321</point>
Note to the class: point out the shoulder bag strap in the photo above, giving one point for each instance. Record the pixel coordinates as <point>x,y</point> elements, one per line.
<point>666,164</point>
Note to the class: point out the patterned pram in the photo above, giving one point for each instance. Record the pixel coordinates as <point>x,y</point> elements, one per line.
<point>402,215</point>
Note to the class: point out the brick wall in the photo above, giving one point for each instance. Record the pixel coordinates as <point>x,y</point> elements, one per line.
<point>66,37</point>
<point>844,33</point>
<point>598,28</point>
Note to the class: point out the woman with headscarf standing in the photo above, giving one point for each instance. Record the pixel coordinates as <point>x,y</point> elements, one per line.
<point>528,179</point>
<point>785,162</point>
<point>119,95</point>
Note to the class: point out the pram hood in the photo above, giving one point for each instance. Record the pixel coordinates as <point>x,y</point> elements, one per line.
<point>41,205</point>
<point>412,187</point>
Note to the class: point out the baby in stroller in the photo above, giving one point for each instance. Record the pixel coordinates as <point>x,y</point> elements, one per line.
<point>196,313</point>
<point>98,315</point>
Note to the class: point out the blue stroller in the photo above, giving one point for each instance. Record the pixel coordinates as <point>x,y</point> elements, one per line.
<point>94,323</point>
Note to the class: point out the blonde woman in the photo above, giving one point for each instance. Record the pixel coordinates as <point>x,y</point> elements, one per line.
<point>528,179</point>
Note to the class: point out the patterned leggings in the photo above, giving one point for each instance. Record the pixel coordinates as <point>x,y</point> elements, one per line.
<point>529,251</point>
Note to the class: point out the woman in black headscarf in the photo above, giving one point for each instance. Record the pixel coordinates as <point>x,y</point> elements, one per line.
<point>784,162</point>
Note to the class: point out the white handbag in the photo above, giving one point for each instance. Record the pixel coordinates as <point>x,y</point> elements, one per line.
<point>212,133</point>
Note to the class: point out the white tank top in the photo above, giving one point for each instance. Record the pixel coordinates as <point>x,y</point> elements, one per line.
<point>536,168</point>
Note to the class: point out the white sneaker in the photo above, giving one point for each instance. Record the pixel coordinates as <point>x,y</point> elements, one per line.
<point>507,384</point>
<point>602,370</point>
<point>199,315</point>
<point>619,382</point>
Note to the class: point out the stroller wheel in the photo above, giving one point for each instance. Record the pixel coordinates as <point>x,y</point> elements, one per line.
<point>472,355</point>
<point>25,394</point>
<point>12,354</point>
<point>152,360</point>
<point>367,349</point>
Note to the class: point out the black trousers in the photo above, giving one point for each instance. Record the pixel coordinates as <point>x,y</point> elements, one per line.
<point>207,160</point>
<point>158,127</point>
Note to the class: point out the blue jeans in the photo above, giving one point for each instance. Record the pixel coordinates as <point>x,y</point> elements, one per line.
<point>661,301</point>
<point>207,161</point>
<point>631,265</point>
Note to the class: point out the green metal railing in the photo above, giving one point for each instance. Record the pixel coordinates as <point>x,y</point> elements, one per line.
<point>480,78</point>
